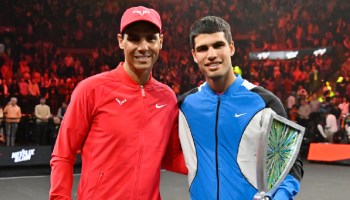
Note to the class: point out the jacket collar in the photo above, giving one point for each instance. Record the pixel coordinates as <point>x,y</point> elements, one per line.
<point>233,87</point>
<point>127,80</point>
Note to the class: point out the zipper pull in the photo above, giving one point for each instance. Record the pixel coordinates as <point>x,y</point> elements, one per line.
<point>143,91</point>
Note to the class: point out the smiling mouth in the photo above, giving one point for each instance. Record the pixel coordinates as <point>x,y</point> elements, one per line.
<point>213,64</point>
<point>142,57</point>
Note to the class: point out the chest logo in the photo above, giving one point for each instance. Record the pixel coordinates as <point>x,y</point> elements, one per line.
<point>120,101</point>
<point>160,106</point>
<point>239,115</point>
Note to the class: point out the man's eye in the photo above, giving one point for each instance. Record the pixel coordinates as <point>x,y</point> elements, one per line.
<point>201,49</point>
<point>133,39</point>
<point>152,39</point>
<point>218,46</point>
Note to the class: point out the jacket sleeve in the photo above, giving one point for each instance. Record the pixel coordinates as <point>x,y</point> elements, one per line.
<point>288,189</point>
<point>174,160</point>
<point>73,130</point>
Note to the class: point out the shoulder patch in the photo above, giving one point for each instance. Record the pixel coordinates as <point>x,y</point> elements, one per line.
<point>248,85</point>
<point>271,100</point>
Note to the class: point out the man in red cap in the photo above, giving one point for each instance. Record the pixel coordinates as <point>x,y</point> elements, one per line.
<point>121,120</point>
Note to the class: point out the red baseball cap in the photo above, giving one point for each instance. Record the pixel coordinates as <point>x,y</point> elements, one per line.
<point>140,13</point>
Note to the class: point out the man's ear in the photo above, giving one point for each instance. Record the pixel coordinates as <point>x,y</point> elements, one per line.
<point>120,41</point>
<point>161,40</point>
<point>232,48</point>
<point>194,56</point>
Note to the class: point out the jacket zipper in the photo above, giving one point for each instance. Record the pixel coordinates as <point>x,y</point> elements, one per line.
<point>138,171</point>
<point>216,149</point>
<point>143,94</point>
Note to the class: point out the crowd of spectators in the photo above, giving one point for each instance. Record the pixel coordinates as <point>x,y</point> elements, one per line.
<point>48,46</point>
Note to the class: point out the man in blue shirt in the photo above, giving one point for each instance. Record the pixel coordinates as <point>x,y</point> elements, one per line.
<point>220,122</point>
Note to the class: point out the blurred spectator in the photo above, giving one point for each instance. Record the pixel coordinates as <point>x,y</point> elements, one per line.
<point>42,114</point>
<point>3,92</point>
<point>303,112</point>
<point>301,92</point>
<point>62,110</point>
<point>53,99</point>
<point>291,101</point>
<point>315,104</point>
<point>34,93</point>
<point>33,88</point>
<point>2,136</point>
<point>13,115</point>
<point>313,77</point>
<point>288,84</point>
<point>293,113</point>
<point>331,126</point>
<point>23,88</point>
<point>347,126</point>
<point>344,106</point>
<point>13,88</point>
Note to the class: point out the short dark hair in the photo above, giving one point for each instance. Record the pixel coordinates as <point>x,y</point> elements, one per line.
<point>208,25</point>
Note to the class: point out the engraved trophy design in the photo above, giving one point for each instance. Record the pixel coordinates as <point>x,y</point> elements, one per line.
<point>277,151</point>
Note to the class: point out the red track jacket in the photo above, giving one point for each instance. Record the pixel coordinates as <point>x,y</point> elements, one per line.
<point>122,129</point>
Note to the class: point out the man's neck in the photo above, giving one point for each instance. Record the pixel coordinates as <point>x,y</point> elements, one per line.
<point>221,84</point>
<point>141,77</point>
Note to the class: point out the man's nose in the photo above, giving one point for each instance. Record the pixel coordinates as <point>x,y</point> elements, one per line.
<point>211,53</point>
<point>143,45</point>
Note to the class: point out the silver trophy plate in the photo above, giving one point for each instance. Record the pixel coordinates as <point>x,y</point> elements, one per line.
<point>278,149</point>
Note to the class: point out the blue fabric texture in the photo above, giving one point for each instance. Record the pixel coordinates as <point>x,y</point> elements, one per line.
<point>288,189</point>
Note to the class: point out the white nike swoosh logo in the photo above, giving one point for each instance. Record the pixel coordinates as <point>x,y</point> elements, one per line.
<point>160,106</point>
<point>239,115</point>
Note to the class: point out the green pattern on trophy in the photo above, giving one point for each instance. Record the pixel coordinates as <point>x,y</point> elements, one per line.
<point>282,140</point>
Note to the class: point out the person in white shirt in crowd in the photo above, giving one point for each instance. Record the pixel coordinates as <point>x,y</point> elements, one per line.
<point>331,126</point>
<point>290,101</point>
<point>344,106</point>
<point>13,115</point>
<point>42,114</point>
